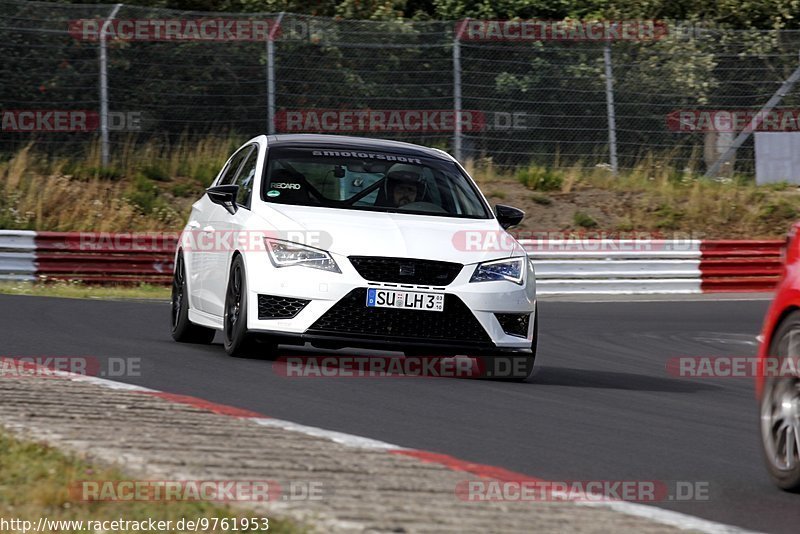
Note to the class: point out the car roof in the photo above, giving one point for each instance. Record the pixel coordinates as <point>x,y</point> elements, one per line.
<point>354,143</point>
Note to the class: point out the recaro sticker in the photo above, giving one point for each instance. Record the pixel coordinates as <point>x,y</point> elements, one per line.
<point>284,185</point>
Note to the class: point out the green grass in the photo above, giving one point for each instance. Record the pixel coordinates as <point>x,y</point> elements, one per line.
<point>584,220</point>
<point>542,200</point>
<point>541,178</point>
<point>35,481</point>
<point>78,290</point>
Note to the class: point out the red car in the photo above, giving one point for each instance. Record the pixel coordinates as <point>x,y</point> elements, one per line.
<point>777,382</point>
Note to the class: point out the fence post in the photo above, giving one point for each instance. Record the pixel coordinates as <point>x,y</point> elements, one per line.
<point>758,118</point>
<point>104,88</point>
<point>612,117</point>
<point>273,32</point>
<point>457,91</point>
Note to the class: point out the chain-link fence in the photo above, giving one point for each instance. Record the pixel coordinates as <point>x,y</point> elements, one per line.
<point>513,100</point>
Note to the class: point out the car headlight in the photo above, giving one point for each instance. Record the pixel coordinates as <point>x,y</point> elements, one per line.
<point>511,269</point>
<point>287,254</point>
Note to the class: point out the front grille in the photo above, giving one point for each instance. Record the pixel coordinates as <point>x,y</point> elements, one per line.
<point>351,315</point>
<point>514,324</point>
<point>272,307</point>
<point>406,271</point>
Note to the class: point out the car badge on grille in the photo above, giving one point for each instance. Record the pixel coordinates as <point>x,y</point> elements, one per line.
<point>406,270</point>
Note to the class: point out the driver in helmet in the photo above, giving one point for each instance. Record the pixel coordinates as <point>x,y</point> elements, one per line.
<point>403,186</point>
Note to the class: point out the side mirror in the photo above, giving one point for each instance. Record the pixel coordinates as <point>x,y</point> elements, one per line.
<point>508,216</point>
<point>225,196</point>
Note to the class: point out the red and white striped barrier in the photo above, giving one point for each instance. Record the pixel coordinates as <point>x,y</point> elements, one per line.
<point>729,265</point>
<point>591,266</point>
<point>620,266</point>
<point>89,257</point>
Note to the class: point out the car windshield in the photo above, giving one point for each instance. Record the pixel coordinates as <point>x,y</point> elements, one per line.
<point>371,181</point>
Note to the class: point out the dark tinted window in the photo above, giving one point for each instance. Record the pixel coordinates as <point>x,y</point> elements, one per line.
<point>233,165</point>
<point>373,181</point>
<point>245,179</point>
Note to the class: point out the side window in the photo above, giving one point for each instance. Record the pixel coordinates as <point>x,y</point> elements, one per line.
<point>245,179</point>
<point>233,165</point>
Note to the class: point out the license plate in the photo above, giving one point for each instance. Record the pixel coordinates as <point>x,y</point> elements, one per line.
<point>407,300</point>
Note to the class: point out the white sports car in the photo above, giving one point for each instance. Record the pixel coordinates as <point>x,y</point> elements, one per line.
<point>351,242</point>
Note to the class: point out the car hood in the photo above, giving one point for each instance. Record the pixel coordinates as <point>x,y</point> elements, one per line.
<point>369,233</point>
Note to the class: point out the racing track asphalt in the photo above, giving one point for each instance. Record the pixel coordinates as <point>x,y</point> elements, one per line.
<point>600,407</point>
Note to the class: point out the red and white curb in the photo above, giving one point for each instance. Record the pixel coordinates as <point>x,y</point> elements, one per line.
<point>652,513</point>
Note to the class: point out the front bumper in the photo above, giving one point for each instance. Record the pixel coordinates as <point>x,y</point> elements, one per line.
<point>409,347</point>
<point>327,291</point>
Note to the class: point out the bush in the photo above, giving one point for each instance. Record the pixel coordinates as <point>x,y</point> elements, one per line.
<point>668,217</point>
<point>540,178</point>
<point>143,194</point>
<point>155,172</point>
<point>584,220</point>
<point>204,175</point>
<point>778,210</point>
<point>185,190</point>
<point>541,200</point>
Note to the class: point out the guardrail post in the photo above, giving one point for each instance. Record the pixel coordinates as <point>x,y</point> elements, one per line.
<point>273,32</point>
<point>104,153</point>
<point>612,117</point>
<point>457,92</point>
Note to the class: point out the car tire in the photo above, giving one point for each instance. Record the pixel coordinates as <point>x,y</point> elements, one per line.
<point>237,340</point>
<point>779,409</point>
<point>511,367</point>
<point>183,330</point>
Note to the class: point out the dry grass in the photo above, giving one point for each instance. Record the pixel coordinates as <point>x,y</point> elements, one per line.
<point>151,187</point>
<point>147,187</point>
<point>78,290</point>
<point>656,197</point>
<point>35,481</point>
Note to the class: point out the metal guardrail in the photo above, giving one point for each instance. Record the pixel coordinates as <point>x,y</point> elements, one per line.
<point>734,265</point>
<point>113,258</point>
<point>562,266</point>
<point>17,255</point>
<point>105,258</point>
<point>602,266</point>
<point>657,266</point>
